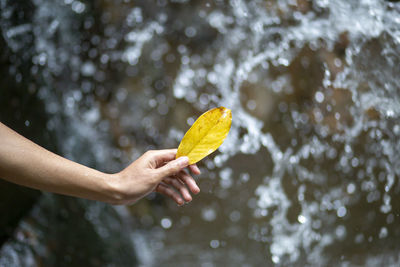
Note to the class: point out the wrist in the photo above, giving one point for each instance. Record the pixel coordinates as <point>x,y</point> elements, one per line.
<point>112,190</point>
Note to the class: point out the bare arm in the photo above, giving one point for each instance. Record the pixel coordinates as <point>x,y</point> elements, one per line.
<point>25,163</point>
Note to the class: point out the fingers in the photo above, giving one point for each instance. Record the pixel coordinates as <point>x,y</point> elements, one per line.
<point>170,175</point>
<point>170,185</point>
<point>189,181</point>
<point>161,156</point>
<point>178,185</point>
<point>172,167</point>
<point>169,192</point>
<point>194,169</point>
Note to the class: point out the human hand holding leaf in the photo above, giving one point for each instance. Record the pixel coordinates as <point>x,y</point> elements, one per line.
<point>207,133</point>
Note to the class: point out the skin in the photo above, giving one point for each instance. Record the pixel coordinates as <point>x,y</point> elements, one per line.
<point>25,163</point>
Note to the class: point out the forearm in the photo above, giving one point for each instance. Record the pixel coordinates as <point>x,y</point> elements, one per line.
<point>25,163</point>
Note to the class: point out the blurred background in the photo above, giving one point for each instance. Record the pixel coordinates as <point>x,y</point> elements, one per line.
<point>309,174</point>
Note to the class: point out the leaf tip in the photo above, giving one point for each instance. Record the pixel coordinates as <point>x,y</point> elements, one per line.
<point>226,112</point>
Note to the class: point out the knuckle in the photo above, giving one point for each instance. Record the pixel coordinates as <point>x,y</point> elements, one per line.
<point>149,153</point>
<point>180,185</point>
<point>170,191</point>
<point>184,178</point>
<point>159,190</point>
<point>154,177</point>
<point>176,167</point>
<point>170,169</point>
<point>167,192</point>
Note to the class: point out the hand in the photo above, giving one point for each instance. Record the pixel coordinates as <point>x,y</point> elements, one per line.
<point>155,171</point>
<point>25,163</point>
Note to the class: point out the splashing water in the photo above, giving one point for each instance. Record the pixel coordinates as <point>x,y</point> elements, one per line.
<point>309,172</point>
<point>365,78</point>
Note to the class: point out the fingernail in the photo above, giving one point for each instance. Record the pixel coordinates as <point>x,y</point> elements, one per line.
<point>183,161</point>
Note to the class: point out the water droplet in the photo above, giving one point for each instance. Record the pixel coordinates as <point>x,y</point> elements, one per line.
<point>251,104</point>
<point>337,62</point>
<point>351,188</point>
<point>319,97</point>
<point>396,129</point>
<point>359,238</point>
<point>226,178</point>
<point>390,113</point>
<point>208,214</point>
<point>78,7</point>
<point>341,212</point>
<point>190,121</point>
<point>340,231</point>
<point>354,162</point>
<point>390,218</point>
<point>88,69</point>
<point>190,32</point>
<point>214,243</point>
<point>166,223</point>
<point>234,216</point>
<point>244,177</point>
<point>383,232</point>
<point>275,259</point>
<point>301,219</point>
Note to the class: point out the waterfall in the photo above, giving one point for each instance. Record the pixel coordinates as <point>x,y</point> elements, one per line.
<point>309,173</point>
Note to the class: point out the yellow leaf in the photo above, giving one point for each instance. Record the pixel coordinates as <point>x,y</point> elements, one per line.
<point>207,133</point>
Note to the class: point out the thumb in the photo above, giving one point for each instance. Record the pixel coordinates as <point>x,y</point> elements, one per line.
<point>173,167</point>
